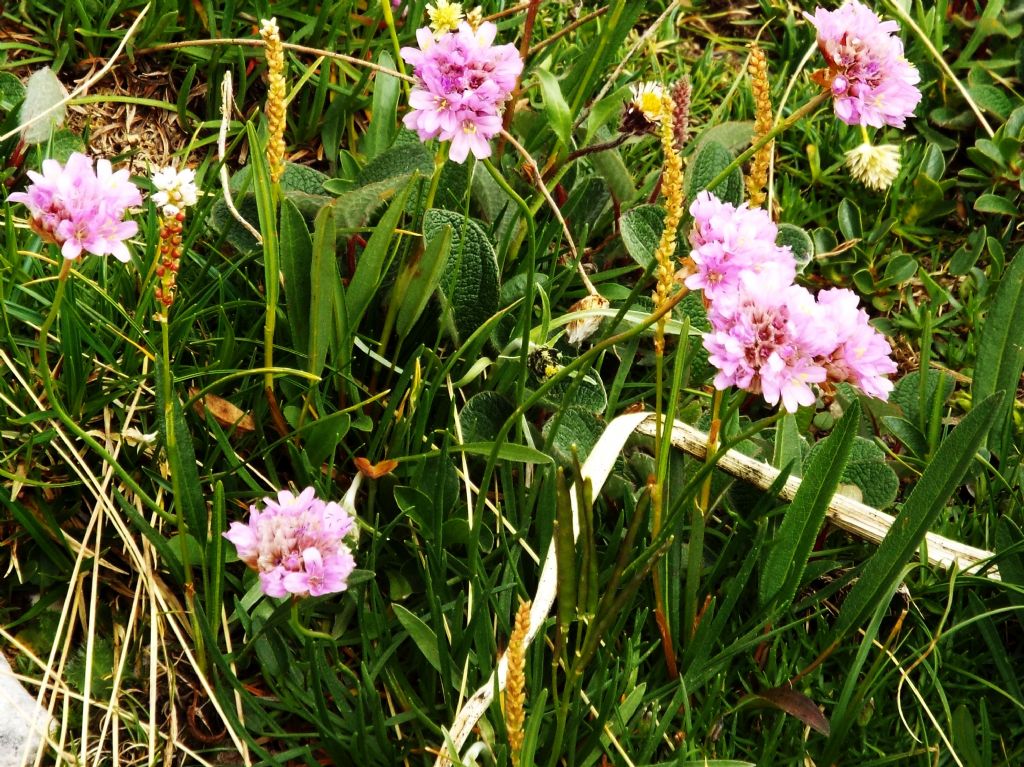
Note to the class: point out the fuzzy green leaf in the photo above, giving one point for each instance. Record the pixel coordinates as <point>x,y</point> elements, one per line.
<point>869,472</point>
<point>469,280</point>
<point>799,241</point>
<point>711,159</point>
<point>578,429</point>
<point>483,415</point>
<point>641,229</point>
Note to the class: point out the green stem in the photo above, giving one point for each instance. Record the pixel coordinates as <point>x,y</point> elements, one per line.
<point>767,138</point>
<point>302,630</point>
<point>531,266</point>
<point>171,446</point>
<point>439,160</point>
<point>576,365</point>
<point>699,515</point>
<point>62,414</point>
<point>389,20</point>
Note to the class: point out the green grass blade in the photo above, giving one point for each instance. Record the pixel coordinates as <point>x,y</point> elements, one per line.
<point>1001,348</point>
<point>323,278</point>
<point>419,279</point>
<point>788,557</point>
<point>952,459</point>
<point>296,260</point>
<point>370,271</point>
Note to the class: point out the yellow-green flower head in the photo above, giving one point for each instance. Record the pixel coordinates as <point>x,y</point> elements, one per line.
<point>444,16</point>
<point>875,166</point>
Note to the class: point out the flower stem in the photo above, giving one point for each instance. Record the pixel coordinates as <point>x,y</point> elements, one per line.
<point>697,521</point>
<point>764,140</point>
<point>302,630</point>
<point>171,446</point>
<point>62,414</point>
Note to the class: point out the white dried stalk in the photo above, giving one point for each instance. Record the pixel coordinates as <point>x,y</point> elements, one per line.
<point>844,512</point>
<point>597,467</point>
<point>854,517</point>
<point>227,95</point>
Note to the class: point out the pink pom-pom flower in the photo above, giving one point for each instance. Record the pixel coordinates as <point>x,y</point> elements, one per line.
<point>730,241</point>
<point>81,209</point>
<point>768,335</point>
<point>462,80</point>
<point>870,79</point>
<point>296,544</point>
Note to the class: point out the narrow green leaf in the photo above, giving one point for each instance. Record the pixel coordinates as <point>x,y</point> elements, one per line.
<point>786,450</point>
<point>181,459</point>
<point>508,451</point>
<point>296,259</point>
<point>788,557</point>
<point>952,459</point>
<point>421,633</point>
<point>323,277</point>
<point>382,129</point>
<point>565,557</point>
<point>370,270</point>
<point>419,279</point>
<point>555,106</point>
<point>1001,348</point>
<point>213,564</point>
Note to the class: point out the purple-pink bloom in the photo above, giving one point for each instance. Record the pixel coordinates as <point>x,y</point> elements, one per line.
<point>82,209</point>
<point>760,341</point>
<point>870,79</point>
<point>861,354</point>
<point>462,80</point>
<point>296,544</point>
<point>730,241</point>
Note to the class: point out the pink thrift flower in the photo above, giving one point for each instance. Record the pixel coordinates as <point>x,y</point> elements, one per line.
<point>870,79</point>
<point>861,354</point>
<point>296,544</point>
<point>760,341</point>
<point>729,242</point>
<point>82,209</point>
<point>462,80</point>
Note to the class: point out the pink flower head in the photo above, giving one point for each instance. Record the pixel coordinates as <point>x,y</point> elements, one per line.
<point>861,355</point>
<point>729,242</point>
<point>296,544</point>
<point>760,341</point>
<point>870,79</point>
<point>462,80</point>
<point>82,209</point>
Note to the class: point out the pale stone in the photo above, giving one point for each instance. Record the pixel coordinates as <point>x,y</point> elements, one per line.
<point>23,721</point>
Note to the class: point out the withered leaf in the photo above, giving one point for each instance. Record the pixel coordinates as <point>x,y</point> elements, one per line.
<point>225,413</point>
<point>795,704</point>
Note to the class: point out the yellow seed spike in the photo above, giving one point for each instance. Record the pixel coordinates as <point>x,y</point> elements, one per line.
<point>275,98</point>
<point>672,187</point>
<point>515,683</point>
<point>757,178</point>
